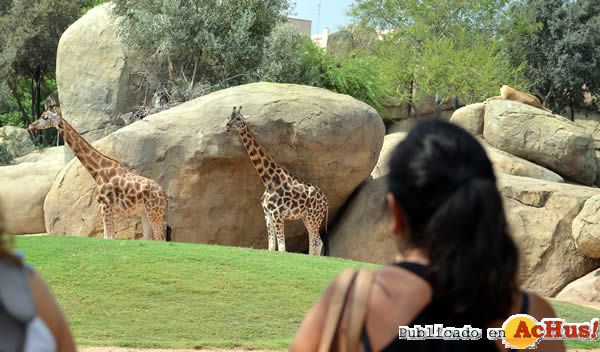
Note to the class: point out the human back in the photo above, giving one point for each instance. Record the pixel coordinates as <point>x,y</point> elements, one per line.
<point>459,261</point>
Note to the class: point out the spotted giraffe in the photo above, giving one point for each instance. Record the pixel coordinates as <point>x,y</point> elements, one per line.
<point>285,196</point>
<point>118,190</point>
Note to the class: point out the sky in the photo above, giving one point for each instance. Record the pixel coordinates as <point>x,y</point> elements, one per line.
<point>333,14</point>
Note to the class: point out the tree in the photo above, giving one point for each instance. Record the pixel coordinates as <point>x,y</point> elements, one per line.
<point>559,41</point>
<point>441,48</point>
<point>217,42</point>
<point>29,35</point>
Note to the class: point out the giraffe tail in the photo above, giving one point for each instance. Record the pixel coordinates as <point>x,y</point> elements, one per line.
<point>324,238</point>
<point>169,230</point>
<point>168,233</point>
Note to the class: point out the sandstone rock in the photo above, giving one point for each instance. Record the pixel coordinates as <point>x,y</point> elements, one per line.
<point>585,290</point>
<point>53,153</point>
<point>23,188</point>
<point>597,183</point>
<point>546,139</point>
<point>586,228</point>
<point>401,125</point>
<point>364,229</point>
<point>328,139</point>
<point>506,163</point>
<point>591,121</point>
<point>540,214</point>
<point>470,118</point>
<point>94,75</point>
<point>389,144</point>
<point>16,140</point>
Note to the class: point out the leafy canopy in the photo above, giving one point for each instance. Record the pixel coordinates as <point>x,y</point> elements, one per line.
<point>560,43</point>
<point>216,42</point>
<point>438,47</point>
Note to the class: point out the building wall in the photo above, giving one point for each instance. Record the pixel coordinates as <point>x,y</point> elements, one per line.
<point>304,26</point>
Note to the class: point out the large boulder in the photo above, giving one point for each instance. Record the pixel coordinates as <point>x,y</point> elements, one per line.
<point>585,290</point>
<point>586,228</point>
<point>506,163</point>
<point>590,119</point>
<point>320,136</point>
<point>363,230</point>
<point>24,186</point>
<point>94,75</point>
<point>470,118</point>
<point>540,214</point>
<point>541,137</point>
<point>16,140</point>
<point>390,142</point>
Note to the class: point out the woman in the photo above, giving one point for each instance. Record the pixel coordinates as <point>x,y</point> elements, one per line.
<point>30,319</point>
<point>460,264</point>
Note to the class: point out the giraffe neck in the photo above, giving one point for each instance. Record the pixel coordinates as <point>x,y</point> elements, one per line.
<point>90,158</point>
<point>263,162</point>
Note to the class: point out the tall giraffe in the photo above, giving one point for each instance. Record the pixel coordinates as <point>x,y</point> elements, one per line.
<point>118,190</point>
<point>285,196</point>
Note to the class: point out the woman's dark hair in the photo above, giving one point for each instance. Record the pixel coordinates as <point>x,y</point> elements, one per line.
<point>444,182</point>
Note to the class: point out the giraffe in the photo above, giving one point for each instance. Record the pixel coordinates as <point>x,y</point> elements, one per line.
<point>118,190</point>
<point>285,196</point>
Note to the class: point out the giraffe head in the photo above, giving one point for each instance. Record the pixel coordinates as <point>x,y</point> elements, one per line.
<point>49,119</point>
<point>236,121</point>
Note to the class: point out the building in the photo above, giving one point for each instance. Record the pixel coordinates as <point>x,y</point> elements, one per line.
<point>321,38</point>
<point>304,26</point>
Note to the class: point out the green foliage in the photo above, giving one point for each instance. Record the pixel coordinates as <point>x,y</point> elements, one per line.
<point>11,116</point>
<point>439,48</point>
<point>29,35</point>
<point>178,295</point>
<point>282,58</point>
<point>12,145</point>
<point>5,156</point>
<point>219,43</point>
<point>559,40</point>
<point>359,77</point>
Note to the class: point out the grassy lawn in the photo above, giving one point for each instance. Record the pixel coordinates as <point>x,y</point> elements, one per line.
<point>177,295</point>
<point>573,313</point>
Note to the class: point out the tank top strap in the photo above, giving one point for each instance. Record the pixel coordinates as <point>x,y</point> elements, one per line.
<point>415,268</point>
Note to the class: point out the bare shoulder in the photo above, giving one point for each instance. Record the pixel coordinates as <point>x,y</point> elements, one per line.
<point>539,307</point>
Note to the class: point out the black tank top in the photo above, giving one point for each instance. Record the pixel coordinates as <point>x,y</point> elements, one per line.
<point>435,313</point>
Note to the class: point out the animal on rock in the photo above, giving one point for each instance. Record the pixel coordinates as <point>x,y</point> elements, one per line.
<point>509,93</point>
<point>118,190</point>
<point>285,196</point>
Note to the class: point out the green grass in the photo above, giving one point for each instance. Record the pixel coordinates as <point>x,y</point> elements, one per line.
<point>177,295</point>
<point>573,313</point>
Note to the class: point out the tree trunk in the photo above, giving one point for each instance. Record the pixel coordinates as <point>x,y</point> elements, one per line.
<point>13,89</point>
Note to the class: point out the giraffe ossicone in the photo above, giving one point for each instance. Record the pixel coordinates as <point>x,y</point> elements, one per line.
<point>285,197</point>
<point>118,190</point>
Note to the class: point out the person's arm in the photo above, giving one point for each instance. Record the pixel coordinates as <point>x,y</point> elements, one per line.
<point>50,313</point>
<point>308,336</point>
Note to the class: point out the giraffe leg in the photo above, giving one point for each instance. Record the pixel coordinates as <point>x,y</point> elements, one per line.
<point>271,230</point>
<point>279,232</point>
<point>157,230</point>
<point>108,220</point>
<point>312,222</point>
<point>147,228</point>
